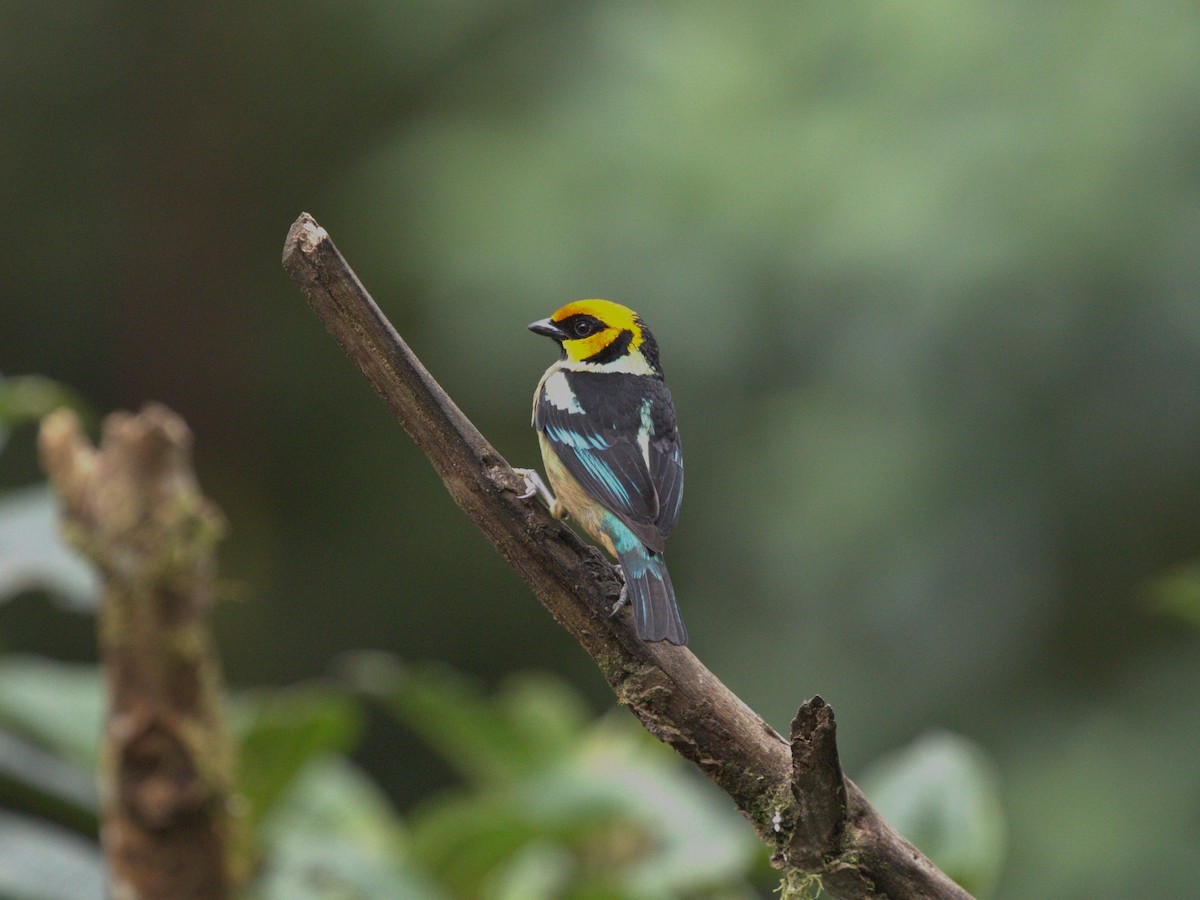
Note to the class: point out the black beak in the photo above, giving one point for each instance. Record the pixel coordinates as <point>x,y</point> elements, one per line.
<point>549,329</point>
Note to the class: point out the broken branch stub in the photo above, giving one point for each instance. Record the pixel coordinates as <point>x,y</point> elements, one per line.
<point>134,508</point>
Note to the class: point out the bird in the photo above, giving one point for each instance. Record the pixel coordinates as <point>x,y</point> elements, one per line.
<point>610,446</point>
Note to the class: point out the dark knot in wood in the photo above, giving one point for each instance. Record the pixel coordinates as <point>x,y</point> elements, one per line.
<point>158,783</point>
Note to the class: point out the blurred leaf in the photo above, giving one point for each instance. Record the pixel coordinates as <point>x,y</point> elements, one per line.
<point>942,793</point>
<point>42,862</point>
<point>1177,593</point>
<point>281,732</point>
<point>531,722</point>
<point>33,555</point>
<point>464,838</point>
<point>27,398</point>
<point>611,811</point>
<point>38,781</point>
<point>693,837</point>
<point>335,835</point>
<point>58,705</point>
<point>545,709</point>
<point>539,871</point>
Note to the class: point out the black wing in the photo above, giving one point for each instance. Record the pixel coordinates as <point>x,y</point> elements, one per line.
<point>596,438</point>
<point>665,456</point>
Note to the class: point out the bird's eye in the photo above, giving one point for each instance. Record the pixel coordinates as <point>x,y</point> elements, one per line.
<point>583,328</point>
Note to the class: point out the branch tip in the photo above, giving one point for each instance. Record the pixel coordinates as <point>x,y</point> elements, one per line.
<point>67,456</point>
<point>304,237</point>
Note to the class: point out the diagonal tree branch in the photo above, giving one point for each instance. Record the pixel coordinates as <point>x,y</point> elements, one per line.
<point>815,820</point>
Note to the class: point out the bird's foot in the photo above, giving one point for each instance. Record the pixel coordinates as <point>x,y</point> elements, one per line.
<point>534,485</point>
<point>624,598</point>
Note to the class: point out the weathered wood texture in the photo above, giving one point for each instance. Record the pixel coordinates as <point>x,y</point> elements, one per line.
<point>676,698</point>
<point>134,508</point>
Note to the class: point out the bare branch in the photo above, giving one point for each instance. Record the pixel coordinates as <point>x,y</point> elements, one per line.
<point>677,699</point>
<point>134,507</point>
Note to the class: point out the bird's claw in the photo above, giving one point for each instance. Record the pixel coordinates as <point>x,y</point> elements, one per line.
<point>535,485</point>
<point>528,476</point>
<point>624,597</point>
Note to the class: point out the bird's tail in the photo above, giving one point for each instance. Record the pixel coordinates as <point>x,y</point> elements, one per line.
<point>655,615</point>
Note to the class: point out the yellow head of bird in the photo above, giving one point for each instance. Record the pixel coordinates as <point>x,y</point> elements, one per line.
<point>601,333</point>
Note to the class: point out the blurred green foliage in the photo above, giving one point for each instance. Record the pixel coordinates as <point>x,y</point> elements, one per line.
<point>925,279</point>
<point>551,804</point>
<point>942,793</point>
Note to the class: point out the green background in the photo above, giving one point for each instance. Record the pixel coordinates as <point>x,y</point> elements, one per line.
<point>924,276</point>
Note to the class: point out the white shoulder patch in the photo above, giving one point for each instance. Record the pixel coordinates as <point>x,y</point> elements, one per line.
<point>560,395</point>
